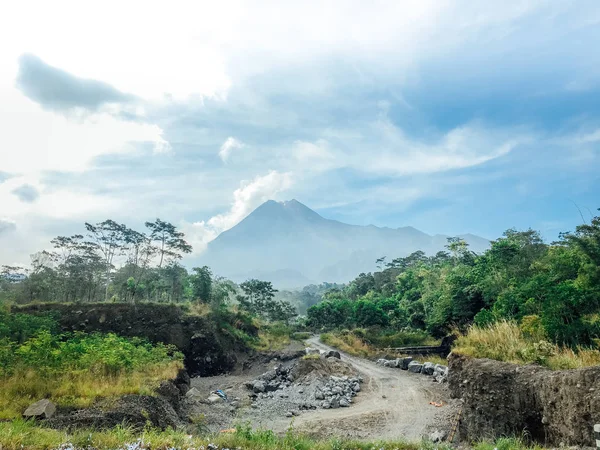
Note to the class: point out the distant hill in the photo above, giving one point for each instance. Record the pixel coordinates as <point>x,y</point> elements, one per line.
<point>292,246</point>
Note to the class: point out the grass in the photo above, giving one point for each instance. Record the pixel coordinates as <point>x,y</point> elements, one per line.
<point>506,341</point>
<point>371,343</point>
<point>76,369</point>
<point>78,389</point>
<point>20,434</point>
<point>348,343</point>
<point>273,337</point>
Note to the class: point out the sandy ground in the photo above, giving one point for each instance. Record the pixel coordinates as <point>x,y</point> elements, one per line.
<point>393,404</point>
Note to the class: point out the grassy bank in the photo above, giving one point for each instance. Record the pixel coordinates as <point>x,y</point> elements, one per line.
<point>507,341</point>
<point>20,434</point>
<point>75,369</point>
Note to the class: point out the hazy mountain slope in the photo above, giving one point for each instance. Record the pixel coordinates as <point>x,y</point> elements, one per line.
<point>291,245</point>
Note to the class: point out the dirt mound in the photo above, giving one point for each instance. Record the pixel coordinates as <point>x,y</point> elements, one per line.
<point>499,398</point>
<point>321,367</point>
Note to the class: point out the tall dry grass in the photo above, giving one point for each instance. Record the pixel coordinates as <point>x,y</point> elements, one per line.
<point>505,341</point>
<point>77,388</point>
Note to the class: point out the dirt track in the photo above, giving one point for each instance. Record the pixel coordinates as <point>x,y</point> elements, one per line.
<point>393,404</point>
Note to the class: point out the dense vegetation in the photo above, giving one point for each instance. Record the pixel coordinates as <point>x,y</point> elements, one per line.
<point>551,290</point>
<point>74,369</point>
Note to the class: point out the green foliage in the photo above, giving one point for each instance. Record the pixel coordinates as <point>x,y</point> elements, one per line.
<point>100,354</point>
<point>259,300</point>
<point>554,290</point>
<point>20,327</point>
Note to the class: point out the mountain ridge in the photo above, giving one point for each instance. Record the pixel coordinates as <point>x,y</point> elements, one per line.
<point>292,245</point>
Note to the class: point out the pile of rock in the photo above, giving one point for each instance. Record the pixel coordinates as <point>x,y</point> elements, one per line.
<point>437,371</point>
<point>338,392</point>
<point>273,380</point>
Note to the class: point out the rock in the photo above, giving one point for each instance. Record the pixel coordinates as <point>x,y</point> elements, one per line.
<point>427,368</point>
<point>437,436</point>
<point>319,395</point>
<point>344,403</point>
<point>272,386</point>
<point>43,409</point>
<point>333,354</point>
<point>193,393</point>
<point>398,363</point>
<point>213,398</point>
<point>326,404</point>
<point>289,414</point>
<point>356,387</point>
<point>235,404</point>
<point>259,386</point>
<point>312,351</point>
<point>415,367</point>
<point>405,362</point>
<point>380,362</point>
<point>335,403</point>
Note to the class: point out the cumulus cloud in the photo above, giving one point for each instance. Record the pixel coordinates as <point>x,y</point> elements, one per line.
<point>246,198</point>
<point>57,90</point>
<point>26,193</point>
<point>228,146</point>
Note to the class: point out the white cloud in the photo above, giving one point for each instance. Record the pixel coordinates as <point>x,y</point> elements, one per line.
<point>245,199</point>
<point>228,146</point>
<point>35,140</point>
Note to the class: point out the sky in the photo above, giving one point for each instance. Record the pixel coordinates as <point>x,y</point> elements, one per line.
<point>450,116</point>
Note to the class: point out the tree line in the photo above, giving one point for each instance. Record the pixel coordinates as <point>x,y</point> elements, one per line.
<point>551,290</point>
<point>112,262</point>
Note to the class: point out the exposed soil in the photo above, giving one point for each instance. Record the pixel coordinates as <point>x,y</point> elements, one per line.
<point>391,404</point>
<point>552,407</point>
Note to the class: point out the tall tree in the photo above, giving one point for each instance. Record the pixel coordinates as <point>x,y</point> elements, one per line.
<point>109,237</point>
<point>170,243</point>
<point>201,281</point>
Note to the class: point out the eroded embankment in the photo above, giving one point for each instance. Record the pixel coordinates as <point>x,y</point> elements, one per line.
<point>502,399</point>
<point>207,349</point>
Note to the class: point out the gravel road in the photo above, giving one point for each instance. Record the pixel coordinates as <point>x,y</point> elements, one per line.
<point>393,404</point>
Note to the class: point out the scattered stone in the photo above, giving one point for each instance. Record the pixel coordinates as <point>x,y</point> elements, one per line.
<point>415,367</point>
<point>289,414</point>
<point>405,362</point>
<point>213,398</point>
<point>43,409</point>
<point>437,436</point>
<point>333,354</point>
<point>427,368</point>
<point>259,386</point>
<point>193,393</point>
<point>344,403</point>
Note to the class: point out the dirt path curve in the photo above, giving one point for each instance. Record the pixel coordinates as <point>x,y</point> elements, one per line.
<point>392,404</point>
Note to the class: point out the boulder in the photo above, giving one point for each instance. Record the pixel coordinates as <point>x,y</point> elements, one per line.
<point>333,354</point>
<point>193,393</point>
<point>259,386</point>
<point>415,367</point>
<point>319,396</point>
<point>344,403</point>
<point>213,398</point>
<point>405,362</point>
<point>427,368</point>
<point>43,409</point>
<point>273,386</point>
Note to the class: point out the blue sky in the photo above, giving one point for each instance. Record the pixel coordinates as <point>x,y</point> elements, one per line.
<point>450,116</point>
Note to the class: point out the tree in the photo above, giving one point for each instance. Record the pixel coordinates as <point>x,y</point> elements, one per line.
<point>258,299</point>
<point>170,243</point>
<point>109,237</point>
<point>201,281</point>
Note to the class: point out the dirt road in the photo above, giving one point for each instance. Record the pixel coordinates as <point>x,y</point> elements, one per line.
<point>393,404</point>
